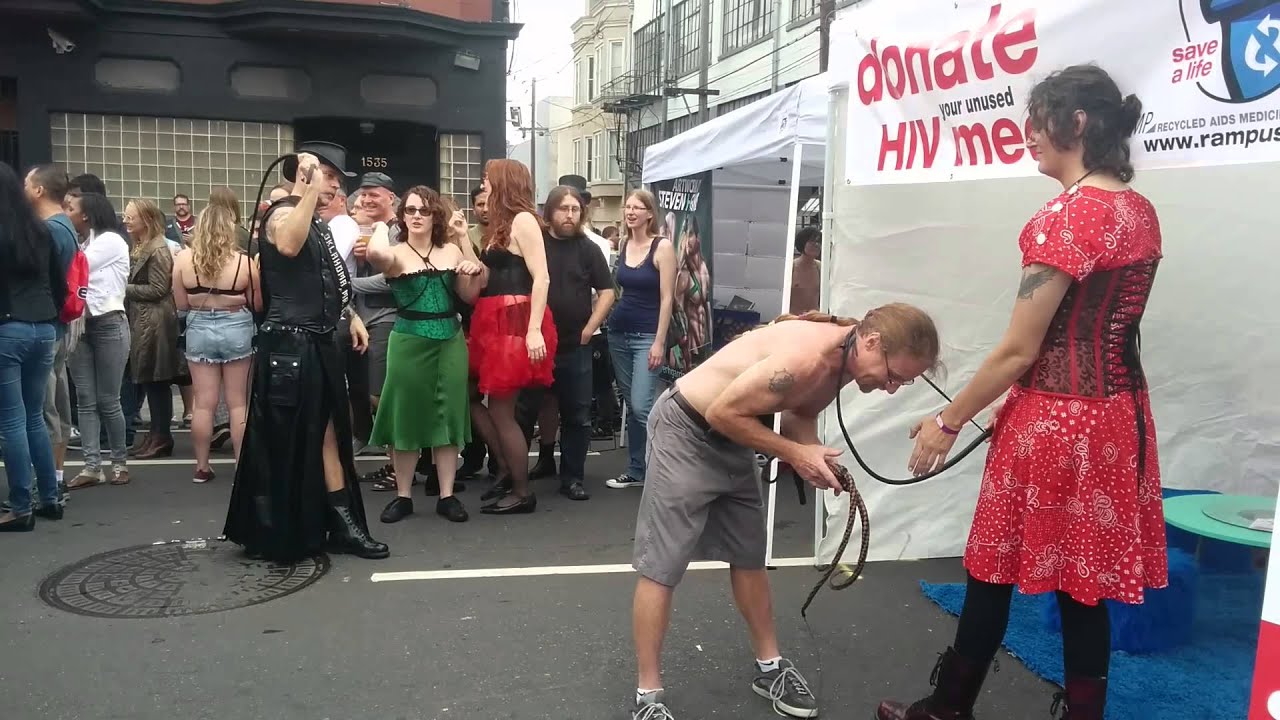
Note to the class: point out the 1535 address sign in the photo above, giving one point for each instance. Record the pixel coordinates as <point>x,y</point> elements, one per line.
<point>371,161</point>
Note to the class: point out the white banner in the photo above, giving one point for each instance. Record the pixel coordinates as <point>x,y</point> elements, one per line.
<point>938,90</point>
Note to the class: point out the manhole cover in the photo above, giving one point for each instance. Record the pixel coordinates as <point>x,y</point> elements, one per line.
<point>190,577</point>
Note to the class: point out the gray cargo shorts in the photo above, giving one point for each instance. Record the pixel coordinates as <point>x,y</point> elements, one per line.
<point>701,500</point>
<point>57,395</point>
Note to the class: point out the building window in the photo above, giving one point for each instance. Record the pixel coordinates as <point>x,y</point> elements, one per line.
<point>613,164</point>
<point>746,21</point>
<point>591,78</point>
<point>461,168</point>
<point>578,83</point>
<point>413,90</point>
<point>804,9</point>
<point>731,105</point>
<point>577,156</point>
<point>600,157</point>
<point>686,28</point>
<point>590,157</point>
<point>256,81</point>
<point>647,60</point>
<point>137,75</point>
<point>157,158</point>
<point>617,59</point>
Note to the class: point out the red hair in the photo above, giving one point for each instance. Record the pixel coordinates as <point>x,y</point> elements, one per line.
<point>510,193</point>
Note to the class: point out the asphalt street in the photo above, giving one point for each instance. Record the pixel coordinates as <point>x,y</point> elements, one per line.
<point>498,647</point>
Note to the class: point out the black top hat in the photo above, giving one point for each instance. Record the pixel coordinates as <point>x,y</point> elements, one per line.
<point>331,154</point>
<point>577,182</point>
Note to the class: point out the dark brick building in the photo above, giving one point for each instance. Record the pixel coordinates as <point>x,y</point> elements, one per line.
<point>159,97</point>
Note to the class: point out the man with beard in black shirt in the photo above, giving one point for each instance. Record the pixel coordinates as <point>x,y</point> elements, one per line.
<point>577,267</point>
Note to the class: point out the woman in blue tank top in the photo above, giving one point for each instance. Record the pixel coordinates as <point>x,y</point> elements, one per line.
<point>638,326</point>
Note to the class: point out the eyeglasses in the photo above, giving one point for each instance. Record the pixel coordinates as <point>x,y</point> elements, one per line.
<point>410,211</point>
<point>894,379</point>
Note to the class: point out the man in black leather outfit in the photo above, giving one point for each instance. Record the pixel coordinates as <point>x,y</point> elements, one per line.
<point>296,491</point>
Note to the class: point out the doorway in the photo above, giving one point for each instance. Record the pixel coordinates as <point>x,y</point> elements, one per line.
<point>407,151</point>
<point>9,122</point>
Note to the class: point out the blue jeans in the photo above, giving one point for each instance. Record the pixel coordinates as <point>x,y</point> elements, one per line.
<point>639,387</point>
<point>26,359</point>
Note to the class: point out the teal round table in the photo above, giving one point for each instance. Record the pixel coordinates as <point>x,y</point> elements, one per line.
<point>1221,517</point>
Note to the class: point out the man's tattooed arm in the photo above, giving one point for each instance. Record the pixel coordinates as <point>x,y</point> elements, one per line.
<point>782,381</point>
<point>1033,280</point>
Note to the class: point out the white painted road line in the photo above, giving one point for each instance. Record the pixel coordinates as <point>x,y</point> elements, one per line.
<point>557,570</point>
<point>223,461</point>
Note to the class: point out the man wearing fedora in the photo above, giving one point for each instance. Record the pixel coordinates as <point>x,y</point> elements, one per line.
<point>296,492</point>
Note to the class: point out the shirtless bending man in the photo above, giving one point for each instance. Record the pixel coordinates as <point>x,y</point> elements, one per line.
<point>702,496</point>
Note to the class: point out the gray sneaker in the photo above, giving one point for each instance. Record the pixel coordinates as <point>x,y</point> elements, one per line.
<point>788,690</point>
<point>651,706</point>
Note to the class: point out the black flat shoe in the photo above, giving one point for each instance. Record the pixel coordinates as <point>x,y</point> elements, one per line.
<point>26,523</point>
<point>49,512</point>
<point>498,490</point>
<point>575,491</point>
<point>397,510</point>
<point>451,508</point>
<point>525,506</point>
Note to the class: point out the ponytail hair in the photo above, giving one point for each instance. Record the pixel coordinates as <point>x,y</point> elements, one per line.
<point>902,328</point>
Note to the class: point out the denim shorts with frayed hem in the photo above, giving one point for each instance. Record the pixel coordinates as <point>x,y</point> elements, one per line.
<point>218,336</point>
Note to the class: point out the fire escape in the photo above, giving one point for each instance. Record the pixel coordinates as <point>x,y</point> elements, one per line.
<point>638,98</point>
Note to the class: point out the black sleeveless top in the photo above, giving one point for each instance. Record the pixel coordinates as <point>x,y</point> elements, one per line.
<point>309,291</point>
<point>508,275</point>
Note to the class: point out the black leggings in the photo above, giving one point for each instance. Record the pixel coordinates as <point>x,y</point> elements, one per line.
<point>160,402</point>
<point>1086,630</point>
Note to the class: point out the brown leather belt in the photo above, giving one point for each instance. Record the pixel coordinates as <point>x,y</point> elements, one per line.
<point>689,410</point>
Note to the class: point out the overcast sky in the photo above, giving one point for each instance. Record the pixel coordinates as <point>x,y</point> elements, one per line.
<point>543,51</point>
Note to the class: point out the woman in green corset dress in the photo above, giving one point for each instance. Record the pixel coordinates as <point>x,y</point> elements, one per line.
<point>424,403</point>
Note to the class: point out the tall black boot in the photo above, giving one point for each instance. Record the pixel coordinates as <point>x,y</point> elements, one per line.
<point>1084,698</point>
<point>546,465</point>
<point>956,682</point>
<point>348,536</point>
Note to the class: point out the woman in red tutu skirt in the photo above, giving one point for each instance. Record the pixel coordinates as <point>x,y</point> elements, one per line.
<point>508,351</point>
<point>1070,499</point>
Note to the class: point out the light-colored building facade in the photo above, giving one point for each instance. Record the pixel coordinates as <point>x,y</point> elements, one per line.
<point>593,143</point>
<point>553,112</point>
<point>755,48</point>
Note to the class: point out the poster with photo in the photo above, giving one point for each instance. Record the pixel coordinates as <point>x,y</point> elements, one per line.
<point>684,216</point>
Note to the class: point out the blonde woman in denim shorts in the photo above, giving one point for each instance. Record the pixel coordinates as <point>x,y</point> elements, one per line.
<point>215,282</point>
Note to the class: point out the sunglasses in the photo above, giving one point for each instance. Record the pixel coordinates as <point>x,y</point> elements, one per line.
<point>410,211</point>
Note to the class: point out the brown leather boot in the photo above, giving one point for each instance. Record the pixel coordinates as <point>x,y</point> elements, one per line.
<point>143,443</point>
<point>1085,698</point>
<point>161,446</point>
<point>956,683</point>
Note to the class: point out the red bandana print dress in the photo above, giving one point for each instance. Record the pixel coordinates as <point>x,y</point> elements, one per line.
<point>1070,496</point>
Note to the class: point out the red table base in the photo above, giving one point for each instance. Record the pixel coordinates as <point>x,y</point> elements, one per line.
<point>1266,675</point>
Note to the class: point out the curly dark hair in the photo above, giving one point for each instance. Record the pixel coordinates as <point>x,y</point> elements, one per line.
<point>1110,118</point>
<point>439,214</point>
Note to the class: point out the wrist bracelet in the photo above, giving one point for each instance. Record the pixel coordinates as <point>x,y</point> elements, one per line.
<point>943,426</point>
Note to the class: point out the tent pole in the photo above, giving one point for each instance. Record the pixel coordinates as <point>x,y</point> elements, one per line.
<point>797,162</point>
<point>833,164</point>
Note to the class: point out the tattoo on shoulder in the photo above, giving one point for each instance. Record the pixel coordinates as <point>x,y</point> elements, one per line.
<point>782,381</point>
<point>275,220</point>
<point>1032,281</point>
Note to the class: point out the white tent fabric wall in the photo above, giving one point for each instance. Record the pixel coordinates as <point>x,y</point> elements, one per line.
<point>749,261</point>
<point>1209,335</point>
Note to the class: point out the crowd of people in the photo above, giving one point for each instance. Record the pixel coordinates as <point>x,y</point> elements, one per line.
<point>430,338</point>
<point>179,301</point>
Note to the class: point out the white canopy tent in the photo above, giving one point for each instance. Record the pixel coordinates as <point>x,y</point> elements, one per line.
<point>760,157</point>
<point>942,234</point>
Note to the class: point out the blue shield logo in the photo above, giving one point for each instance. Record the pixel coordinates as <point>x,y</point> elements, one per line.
<point>1250,45</point>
